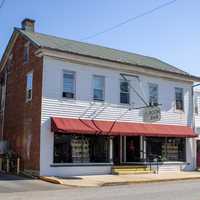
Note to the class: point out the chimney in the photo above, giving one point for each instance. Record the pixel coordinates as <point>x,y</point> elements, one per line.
<point>28,25</point>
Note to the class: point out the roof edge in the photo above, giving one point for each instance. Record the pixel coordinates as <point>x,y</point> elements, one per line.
<point>188,76</point>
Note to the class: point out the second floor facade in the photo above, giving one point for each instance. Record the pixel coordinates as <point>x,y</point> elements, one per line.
<point>74,89</point>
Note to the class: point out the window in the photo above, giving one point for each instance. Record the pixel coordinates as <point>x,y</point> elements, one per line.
<point>124,92</point>
<point>69,85</point>
<point>81,149</point>
<point>153,94</point>
<point>179,98</point>
<point>166,149</point>
<point>98,88</point>
<point>29,86</point>
<point>2,93</point>
<point>26,53</point>
<point>196,106</point>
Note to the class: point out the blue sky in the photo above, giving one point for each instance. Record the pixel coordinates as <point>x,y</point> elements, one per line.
<point>171,34</point>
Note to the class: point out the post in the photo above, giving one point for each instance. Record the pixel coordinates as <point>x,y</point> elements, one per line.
<point>141,148</point>
<point>124,149</point>
<point>7,165</point>
<point>18,165</point>
<point>121,145</point>
<point>145,148</point>
<point>111,149</point>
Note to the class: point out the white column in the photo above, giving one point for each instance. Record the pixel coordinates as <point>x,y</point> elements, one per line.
<point>145,147</point>
<point>111,149</point>
<point>141,147</point>
<point>121,145</point>
<point>124,149</point>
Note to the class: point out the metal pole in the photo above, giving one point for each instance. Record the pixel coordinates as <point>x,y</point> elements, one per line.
<point>7,165</point>
<point>18,166</point>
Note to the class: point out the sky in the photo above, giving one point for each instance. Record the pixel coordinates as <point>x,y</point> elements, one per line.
<point>171,34</point>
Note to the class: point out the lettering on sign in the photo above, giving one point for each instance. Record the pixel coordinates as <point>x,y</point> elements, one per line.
<point>151,114</point>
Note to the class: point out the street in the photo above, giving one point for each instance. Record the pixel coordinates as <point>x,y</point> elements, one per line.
<point>12,188</point>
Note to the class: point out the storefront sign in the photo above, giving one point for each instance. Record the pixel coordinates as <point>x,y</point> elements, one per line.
<point>151,114</point>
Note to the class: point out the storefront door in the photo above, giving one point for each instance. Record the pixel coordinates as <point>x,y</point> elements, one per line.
<point>198,153</point>
<point>116,150</point>
<point>132,149</point>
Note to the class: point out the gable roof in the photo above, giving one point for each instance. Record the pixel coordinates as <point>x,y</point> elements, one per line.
<point>96,51</point>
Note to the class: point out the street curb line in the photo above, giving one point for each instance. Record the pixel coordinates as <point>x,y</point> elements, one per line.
<point>51,180</point>
<point>147,181</point>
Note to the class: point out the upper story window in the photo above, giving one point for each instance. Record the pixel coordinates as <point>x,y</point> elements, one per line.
<point>2,93</point>
<point>153,94</point>
<point>26,53</point>
<point>124,92</point>
<point>179,98</point>
<point>98,88</point>
<point>196,105</point>
<point>69,84</point>
<point>29,86</point>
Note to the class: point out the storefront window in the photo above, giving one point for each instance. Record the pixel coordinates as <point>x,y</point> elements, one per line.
<point>166,149</point>
<point>80,149</point>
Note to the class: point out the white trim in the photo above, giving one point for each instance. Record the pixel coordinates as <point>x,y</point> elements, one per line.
<point>104,87</point>
<point>114,65</point>
<point>175,109</point>
<point>74,82</point>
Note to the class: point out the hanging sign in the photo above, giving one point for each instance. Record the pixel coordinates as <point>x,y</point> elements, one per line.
<point>151,114</point>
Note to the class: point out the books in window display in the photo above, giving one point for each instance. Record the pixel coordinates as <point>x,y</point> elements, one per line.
<point>80,150</point>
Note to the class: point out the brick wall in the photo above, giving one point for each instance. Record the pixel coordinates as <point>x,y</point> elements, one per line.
<point>22,119</point>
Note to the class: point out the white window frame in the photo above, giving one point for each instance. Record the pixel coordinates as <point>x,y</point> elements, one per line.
<point>156,85</point>
<point>196,105</point>
<point>26,52</point>
<point>74,83</point>
<point>179,110</point>
<point>93,87</point>
<point>29,98</point>
<point>128,81</point>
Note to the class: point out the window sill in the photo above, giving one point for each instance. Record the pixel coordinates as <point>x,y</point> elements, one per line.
<point>79,164</point>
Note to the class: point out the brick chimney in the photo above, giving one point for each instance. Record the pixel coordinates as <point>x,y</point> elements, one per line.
<point>28,24</point>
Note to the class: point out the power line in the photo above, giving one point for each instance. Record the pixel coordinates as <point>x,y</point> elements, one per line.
<point>2,3</point>
<point>129,20</point>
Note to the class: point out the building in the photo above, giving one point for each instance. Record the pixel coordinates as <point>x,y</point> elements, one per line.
<point>197,120</point>
<point>72,108</point>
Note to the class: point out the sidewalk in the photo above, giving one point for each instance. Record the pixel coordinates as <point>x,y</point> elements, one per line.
<point>109,180</point>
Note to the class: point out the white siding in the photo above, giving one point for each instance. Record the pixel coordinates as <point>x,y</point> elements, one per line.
<point>53,104</point>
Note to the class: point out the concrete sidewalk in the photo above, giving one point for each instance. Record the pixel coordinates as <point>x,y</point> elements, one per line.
<point>109,180</point>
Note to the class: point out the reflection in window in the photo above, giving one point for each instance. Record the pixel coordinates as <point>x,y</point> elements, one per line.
<point>166,149</point>
<point>179,98</point>
<point>69,85</point>
<point>124,92</point>
<point>80,149</point>
<point>153,94</point>
<point>98,88</point>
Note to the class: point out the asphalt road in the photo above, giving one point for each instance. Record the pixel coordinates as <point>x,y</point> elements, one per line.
<point>38,190</point>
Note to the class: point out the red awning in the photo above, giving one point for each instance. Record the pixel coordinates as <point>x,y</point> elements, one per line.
<point>82,126</point>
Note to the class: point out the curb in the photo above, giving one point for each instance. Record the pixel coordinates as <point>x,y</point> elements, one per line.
<point>58,181</point>
<point>147,181</point>
<point>51,180</point>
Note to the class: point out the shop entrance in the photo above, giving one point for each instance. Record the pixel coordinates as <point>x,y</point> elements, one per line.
<point>133,149</point>
<point>126,149</point>
<point>198,153</point>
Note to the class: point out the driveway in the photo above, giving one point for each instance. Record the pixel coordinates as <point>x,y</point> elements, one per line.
<point>11,184</point>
